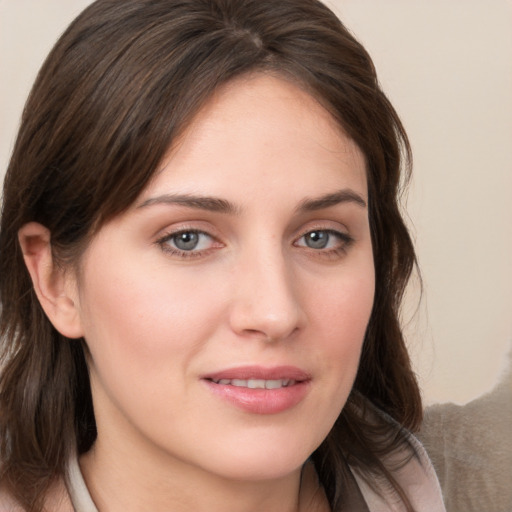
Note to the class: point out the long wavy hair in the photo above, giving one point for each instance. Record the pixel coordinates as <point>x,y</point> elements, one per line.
<point>122,82</point>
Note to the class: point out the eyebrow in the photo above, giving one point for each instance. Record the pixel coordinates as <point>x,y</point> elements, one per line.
<point>218,205</point>
<point>212,204</point>
<point>341,196</point>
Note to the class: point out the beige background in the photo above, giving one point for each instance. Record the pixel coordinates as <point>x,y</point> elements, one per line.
<point>447,67</point>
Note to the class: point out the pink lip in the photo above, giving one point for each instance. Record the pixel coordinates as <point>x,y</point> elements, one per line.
<point>260,372</point>
<point>260,401</point>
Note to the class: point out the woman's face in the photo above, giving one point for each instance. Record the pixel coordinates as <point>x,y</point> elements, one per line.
<point>225,311</point>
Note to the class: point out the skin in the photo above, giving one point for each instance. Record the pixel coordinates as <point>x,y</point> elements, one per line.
<point>255,290</point>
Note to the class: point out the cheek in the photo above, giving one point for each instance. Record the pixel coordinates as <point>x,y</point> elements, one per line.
<point>143,329</point>
<point>344,306</point>
<point>134,301</point>
<point>143,325</point>
<point>341,316</point>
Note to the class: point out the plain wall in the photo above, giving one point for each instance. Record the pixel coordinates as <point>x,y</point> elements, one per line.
<point>447,67</point>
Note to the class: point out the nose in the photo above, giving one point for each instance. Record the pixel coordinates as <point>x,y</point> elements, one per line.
<point>266,302</point>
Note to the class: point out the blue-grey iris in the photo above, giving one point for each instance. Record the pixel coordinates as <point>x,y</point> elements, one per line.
<point>317,239</point>
<point>186,241</point>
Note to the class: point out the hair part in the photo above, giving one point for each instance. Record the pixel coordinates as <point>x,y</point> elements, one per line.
<point>120,85</point>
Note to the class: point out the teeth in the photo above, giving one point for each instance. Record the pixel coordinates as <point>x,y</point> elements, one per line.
<point>256,383</point>
<point>275,384</point>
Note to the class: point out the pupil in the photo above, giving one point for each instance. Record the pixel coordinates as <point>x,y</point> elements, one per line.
<point>317,239</point>
<point>186,241</point>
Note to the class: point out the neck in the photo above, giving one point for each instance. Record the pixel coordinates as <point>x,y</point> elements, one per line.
<point>119,482</point>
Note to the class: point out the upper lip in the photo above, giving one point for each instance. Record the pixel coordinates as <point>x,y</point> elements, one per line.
<point>260,372</point>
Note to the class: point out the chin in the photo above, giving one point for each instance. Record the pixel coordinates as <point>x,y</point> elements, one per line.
<point>262,459</point>
<point>271,468</point>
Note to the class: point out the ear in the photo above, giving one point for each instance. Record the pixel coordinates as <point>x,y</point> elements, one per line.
<point>55,287</point>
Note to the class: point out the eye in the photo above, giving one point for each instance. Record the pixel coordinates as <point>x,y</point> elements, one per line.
<point>317,239</point>
<point>186,241</point>
<point>324,239</point>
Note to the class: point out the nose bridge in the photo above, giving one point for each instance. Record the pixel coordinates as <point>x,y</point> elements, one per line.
<point>266,302</point>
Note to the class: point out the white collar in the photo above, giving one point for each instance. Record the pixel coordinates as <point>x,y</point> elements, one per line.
<point>78,492</point>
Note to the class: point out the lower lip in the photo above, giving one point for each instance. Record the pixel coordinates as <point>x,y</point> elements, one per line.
<point>261,401</point>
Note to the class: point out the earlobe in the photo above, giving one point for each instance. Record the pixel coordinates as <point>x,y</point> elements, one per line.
<point>55,287</point>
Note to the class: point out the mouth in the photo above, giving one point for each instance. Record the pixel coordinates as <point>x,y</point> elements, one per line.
<point>255,383</point>
<point>256,374</point>
<point>260,390</point>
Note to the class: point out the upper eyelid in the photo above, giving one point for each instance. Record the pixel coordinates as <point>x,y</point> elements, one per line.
<point>194,229</point>
<point>166,235</point>
<point>183,227</point>
<point>200,226</point>
<point>327,230</point>
<point>345,238</point>
<point>327,225</point>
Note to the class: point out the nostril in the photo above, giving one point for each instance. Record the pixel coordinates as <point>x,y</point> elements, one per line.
<point>255,333</point>
<point>272,335</point>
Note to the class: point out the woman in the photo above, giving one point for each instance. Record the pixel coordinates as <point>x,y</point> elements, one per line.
<point>202,262</point>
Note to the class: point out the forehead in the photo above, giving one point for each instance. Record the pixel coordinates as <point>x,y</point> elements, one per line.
<point>265,132</point>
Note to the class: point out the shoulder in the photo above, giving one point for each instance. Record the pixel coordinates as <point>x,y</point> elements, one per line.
<point>471,449</point>
<point>411,469</point>
<point>416,477</point>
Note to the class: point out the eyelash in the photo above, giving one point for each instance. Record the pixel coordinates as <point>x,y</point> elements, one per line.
<point>345,242</point>
<point>174,251</point>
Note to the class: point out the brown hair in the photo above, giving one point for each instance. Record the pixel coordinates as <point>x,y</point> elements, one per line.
<point>121,83</point>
